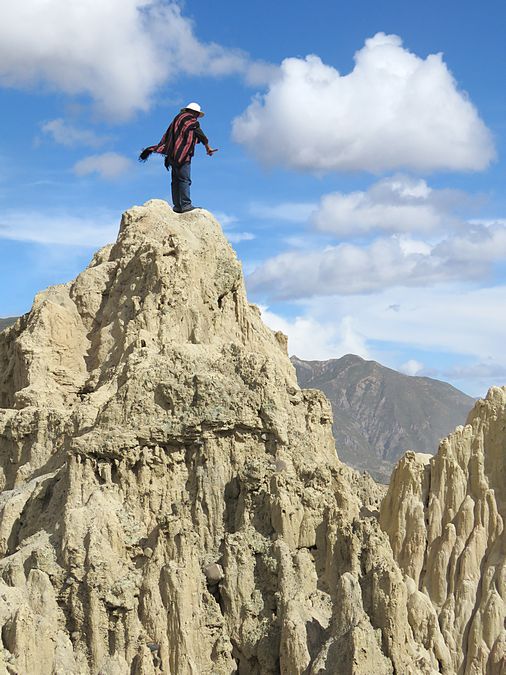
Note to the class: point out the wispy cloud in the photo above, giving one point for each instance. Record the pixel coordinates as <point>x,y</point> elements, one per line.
<point>108,165</point>
<point>453,318</point>
<point>229,223</point>
<point>490,370</point>
<point>226,219</point>
<point>59,228</point>
<point>237,237</point>
<point>467,323</point>
<point>71,136</point>
<point>292,212</point>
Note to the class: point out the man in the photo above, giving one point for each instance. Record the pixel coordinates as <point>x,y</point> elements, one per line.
<point>178,145</point>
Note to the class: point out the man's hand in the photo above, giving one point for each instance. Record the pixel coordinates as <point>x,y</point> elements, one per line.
<point>210,150</point>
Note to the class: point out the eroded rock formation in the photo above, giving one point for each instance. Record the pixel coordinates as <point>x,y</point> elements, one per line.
<point>172,503</point>
<point>445,519</point>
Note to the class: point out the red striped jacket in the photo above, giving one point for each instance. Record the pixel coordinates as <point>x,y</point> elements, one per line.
<point>178,142</point>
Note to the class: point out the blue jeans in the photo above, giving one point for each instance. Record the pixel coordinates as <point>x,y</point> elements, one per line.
<point>180,185</point>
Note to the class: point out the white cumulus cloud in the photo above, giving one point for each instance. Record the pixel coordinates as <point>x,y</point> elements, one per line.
<point>394,110</point>
<point>107,165</point>
<point>398,260</point>
<point>394,204</point>
<point>118,52</point>
<point>345,269</point>
<point>313,340</point>
<point>480,243</point>
<point>411,367</point>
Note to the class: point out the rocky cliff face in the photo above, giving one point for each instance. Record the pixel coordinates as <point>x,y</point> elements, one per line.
<point>445,518</point>
<point>171,499</point>
<point>380,413</point>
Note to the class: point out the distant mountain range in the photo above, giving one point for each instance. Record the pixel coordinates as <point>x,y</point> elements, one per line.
<point>5,323</point>
<point>380,413</point>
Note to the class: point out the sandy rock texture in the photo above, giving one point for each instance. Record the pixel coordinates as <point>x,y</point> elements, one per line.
<point>172,503</point>
<point>445,519</point>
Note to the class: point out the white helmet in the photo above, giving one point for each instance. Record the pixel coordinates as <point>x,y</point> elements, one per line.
<point>194,106</point>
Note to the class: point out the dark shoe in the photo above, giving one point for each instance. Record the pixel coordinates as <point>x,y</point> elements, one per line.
<point>189,208</point>
<point>176,210</point>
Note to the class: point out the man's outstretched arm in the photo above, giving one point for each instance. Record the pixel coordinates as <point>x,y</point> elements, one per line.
<point>205,141</point>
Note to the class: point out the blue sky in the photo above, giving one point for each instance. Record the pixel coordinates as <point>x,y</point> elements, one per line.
<point>360,169</point>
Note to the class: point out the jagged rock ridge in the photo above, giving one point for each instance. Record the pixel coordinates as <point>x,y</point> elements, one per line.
<point>380,413</point>
<point>171,499</point>
<point>445,518</point>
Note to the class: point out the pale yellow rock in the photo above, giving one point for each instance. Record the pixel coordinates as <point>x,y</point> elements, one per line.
<point>172,501</point>
<point>445,520</point>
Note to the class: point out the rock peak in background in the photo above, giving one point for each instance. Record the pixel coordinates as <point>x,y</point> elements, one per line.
<point>380,413</point>
<point>172,501</point>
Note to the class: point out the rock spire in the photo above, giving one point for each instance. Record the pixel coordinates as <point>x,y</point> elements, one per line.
<point>172,502</point>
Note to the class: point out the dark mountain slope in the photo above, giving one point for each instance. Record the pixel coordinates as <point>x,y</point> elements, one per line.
<point>380,413</point>
<point>8,321</point>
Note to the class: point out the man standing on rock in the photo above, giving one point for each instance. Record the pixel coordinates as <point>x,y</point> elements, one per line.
<point>178,145</point>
